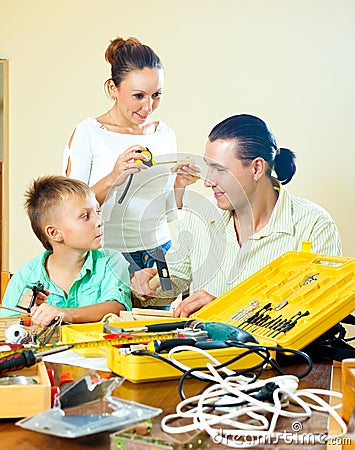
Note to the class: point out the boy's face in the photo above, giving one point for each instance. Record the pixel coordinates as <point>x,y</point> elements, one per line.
<point>78,224</point>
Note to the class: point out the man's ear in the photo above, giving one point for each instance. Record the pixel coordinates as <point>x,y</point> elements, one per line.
<point>258,166</point>
<point>53,233</point>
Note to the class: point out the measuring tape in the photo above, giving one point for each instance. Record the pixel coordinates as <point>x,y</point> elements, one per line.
<point>147,337</point>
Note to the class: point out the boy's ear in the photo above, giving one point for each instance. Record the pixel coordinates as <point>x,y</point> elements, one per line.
<point>53,233</point>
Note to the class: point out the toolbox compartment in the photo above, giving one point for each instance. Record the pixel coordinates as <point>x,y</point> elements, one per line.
<point>24,400</point>
<point>319,289</point>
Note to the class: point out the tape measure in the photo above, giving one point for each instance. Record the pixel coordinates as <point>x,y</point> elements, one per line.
<point>147,337</point>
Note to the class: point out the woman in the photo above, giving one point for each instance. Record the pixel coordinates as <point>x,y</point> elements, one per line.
<point>106,153</point>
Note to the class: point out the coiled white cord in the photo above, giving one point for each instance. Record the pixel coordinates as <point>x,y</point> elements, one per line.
<point>245,424</point>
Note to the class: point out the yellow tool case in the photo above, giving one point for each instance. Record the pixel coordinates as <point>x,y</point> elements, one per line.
<point>289,303</point>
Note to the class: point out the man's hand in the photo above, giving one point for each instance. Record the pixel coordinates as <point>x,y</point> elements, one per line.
<point>193,303</point>
<point>140,284</point>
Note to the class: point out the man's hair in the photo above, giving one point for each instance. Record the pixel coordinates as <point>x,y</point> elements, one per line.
<point>44,197</point>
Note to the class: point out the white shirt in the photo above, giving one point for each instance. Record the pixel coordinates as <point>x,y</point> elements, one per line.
<point>141,220</point>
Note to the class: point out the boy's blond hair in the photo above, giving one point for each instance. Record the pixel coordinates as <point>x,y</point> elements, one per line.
<point>45,196</point>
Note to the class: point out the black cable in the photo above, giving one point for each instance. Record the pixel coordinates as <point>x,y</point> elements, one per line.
<point>262,351</point>
<point>124,193</point>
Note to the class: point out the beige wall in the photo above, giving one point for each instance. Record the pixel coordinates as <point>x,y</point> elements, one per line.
<point>289,61</point>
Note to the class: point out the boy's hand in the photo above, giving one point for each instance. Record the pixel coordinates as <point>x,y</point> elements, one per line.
<point>43,314</point>
<point>41,297</point>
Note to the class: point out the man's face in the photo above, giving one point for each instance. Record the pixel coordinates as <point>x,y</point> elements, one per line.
<point>230,179</point>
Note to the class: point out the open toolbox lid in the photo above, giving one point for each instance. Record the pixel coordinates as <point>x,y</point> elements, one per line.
<point>312,292</point>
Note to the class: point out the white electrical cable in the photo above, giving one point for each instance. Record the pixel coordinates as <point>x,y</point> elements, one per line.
<point>248,420</point>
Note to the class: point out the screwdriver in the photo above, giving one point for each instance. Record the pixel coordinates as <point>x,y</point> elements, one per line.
<point>168,344</point>
<point>153,328</point>
<point>26,358</point>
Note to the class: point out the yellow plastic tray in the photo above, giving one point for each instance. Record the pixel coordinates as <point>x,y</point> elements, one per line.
<point>85,332</point>
<point>328,299</point>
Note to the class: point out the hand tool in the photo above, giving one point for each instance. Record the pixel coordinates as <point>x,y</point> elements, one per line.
<point>163,270</point>
<point>246,311</point>
<point>36,289</point>
<point>45,335</point>
<point>162,326</point>
<point>26,358</point>
<point>307,280</point>
<point>101,343</point>
<point>291,324</point>
<point>149,163</point>
<point>218,331</point>
<point>254,317</point>
<point>165,346</point>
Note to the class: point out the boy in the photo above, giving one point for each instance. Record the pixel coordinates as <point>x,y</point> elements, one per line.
<point>82,282</point>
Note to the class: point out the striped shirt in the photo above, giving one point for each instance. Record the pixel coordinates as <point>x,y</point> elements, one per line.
<point>206,254</point>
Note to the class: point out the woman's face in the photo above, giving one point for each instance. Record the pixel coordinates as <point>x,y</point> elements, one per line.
<point>138,95</point>
<point>231,180</point>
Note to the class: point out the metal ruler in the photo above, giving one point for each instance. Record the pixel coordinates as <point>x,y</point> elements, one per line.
<point>146,337</point>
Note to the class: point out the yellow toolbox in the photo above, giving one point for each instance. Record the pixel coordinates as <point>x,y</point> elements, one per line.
<point>289,303</point>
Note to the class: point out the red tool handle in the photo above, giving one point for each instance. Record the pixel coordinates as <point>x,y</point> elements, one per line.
<point>17,361</point>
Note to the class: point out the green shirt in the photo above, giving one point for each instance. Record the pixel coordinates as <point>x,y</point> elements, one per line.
<point>103,277</point>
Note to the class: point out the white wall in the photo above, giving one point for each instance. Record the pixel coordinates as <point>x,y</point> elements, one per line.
<point>289,61</point>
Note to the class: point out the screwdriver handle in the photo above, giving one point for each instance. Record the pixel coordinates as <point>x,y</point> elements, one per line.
<point>166,326</point>
<point>17,361</point>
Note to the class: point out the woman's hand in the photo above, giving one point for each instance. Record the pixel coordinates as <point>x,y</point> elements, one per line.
<point>128,163</point>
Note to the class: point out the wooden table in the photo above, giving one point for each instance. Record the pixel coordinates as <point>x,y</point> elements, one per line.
<point>164,395</point>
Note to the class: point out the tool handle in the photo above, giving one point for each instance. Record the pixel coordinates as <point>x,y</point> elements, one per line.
<point>166,326</point>
<point>154,283</point>
<point>17,361</point>
<point>168,344</point>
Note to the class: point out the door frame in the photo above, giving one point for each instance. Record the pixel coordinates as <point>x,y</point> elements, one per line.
<point>4,186</point>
